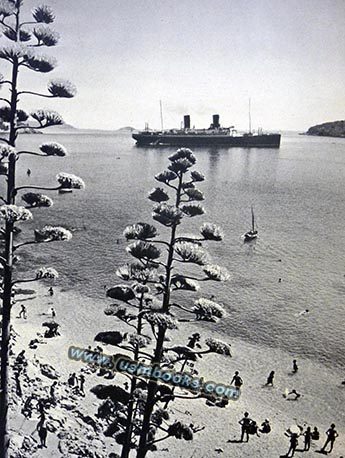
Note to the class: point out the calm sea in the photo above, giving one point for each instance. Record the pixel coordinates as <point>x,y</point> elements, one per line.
<point>298,195</point>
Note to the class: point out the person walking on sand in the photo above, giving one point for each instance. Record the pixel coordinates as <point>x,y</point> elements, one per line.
<point>307,438</point>
<point>53,312</point>
<point>22,312</point>
<point>270,379</point>
<point>236,380</point>
<point>245,422</point>
<point>294,366</point>
<point>331,437</point>
<point>51,291</point>
<point>28,172</point>
<point>293,444</point>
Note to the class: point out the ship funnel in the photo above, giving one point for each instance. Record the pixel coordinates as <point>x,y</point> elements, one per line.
<point>216,124</point>
<point>186,121</point>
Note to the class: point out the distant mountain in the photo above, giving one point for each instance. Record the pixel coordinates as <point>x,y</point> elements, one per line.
<point>328,129</point>
<point>125,129</point>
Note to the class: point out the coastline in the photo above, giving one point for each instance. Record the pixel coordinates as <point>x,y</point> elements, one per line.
<point>320,386</point>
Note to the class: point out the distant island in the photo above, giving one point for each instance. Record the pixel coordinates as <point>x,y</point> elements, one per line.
<point>328,129</point>
<point>68,129</point>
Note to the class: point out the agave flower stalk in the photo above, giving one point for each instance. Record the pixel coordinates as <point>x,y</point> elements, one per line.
<point>21,52</point>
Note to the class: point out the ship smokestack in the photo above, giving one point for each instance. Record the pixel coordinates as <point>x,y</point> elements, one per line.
<point>216,124</point>
<point>186,121</point>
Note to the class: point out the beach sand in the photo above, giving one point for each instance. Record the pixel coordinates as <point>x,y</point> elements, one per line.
<point>322,401</point>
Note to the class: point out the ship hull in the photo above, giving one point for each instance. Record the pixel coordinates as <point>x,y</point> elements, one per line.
<point>245,141</point>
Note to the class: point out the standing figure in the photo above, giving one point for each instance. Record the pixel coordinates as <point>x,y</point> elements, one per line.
<point>331,436</point>
<point>82,381</point>
<point>51,291</point>
<point>307,438</point>
<point>293,444</point>
<point>236,380</point>
<point>53,312</point>
<point>28,172</point>
<point>245,422</point>
<point>42,432</point>
<point>52,392</point>
<point>294,366</point>
<point>270,379</point>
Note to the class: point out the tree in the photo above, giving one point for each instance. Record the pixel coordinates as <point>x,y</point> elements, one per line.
<point>151,307</point>
<point>22,52</point>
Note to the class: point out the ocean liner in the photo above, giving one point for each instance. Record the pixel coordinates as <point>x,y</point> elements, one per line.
<point>215,135</point>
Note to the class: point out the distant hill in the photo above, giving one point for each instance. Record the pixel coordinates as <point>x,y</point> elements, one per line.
<point>125,129</point>
<point>328,129</point>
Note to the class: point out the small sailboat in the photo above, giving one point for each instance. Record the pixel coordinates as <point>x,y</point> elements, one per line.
<point>253,233</point>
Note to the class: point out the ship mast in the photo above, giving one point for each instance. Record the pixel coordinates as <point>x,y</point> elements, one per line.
<point>250,118</point>
<point>161,111</point>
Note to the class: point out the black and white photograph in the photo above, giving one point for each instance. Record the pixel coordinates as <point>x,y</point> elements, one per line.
<point>172,265</point>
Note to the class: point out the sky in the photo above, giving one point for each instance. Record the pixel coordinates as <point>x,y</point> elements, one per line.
<point>199,57</point>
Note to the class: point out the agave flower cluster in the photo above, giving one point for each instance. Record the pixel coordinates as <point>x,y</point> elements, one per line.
<point>13,213</point>
<point>52,234</point>
<point>46,272</point>
<point>34,199</point>
<point>70,181</point>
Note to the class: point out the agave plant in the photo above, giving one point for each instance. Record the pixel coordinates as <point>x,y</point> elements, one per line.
<point>164,269</point>
<point>25,38</point>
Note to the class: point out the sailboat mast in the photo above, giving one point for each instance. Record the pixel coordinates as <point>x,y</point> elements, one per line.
<point>161,110</point>
<point>253,223</point>
<point>250,118</point>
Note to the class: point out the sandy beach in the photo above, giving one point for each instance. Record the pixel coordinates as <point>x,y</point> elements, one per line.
<point>320,386</point>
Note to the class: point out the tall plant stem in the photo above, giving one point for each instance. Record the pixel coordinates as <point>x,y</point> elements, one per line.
<point>6,318</point>
<point>7,292</point>
<point>152,386</point>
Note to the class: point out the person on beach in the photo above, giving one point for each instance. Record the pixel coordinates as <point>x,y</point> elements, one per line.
<point>270,379</point>
<point>245,422</point>
<point>22,312</point>
<point>253,428</point>
<point>193,341</point>
<point>53,312</point>
<point>265,427</point>
<point>293,444</point>
<point>21,359</point>
<point>82,381</point>
<point>28,172</point>
<point>236,380</point>
<point>72,380</point>
<point>307,438</point>
<point>42,433</point>
<point>294,366</point>
<point>18,386</point>
<point>293,393</point>
<point>331,437</point>
<point>51,291</point>
<point>315,435</point>
<point>52,392</point>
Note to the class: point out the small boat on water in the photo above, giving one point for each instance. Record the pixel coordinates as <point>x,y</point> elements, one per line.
<point>65,190</point>
<point>215,135</point>
<point>253,233</point>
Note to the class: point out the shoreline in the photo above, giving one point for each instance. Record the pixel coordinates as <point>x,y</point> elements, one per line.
<point>314,380</point>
